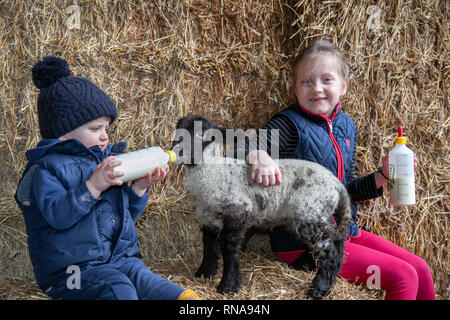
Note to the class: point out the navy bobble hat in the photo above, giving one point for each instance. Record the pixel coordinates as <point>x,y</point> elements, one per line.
<point>67,102</point>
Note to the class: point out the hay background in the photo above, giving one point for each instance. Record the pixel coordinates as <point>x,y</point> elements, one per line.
<point>230,60</point>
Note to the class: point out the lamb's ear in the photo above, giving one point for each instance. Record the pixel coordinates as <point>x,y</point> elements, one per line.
<point>223,131</point>
<point>215,134</point>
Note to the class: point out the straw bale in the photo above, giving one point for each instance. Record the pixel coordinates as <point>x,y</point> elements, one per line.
<point>230,60</point>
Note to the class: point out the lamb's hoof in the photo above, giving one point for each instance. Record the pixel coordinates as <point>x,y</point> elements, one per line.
<point>230,287</point>
<point>314,294</point>
<point>206,272</point>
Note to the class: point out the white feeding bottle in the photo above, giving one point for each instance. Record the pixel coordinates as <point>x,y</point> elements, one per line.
<point>401,173</point>
<point>138,164</point>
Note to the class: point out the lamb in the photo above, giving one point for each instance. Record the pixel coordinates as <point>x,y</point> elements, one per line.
<point>228,204</point>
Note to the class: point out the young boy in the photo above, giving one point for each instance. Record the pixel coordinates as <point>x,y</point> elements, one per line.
<point>79,217</point>
<point>316,129</point>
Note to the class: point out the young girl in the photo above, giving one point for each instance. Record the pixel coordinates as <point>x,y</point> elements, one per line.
<point>316,129</point>
<point>79,217</point>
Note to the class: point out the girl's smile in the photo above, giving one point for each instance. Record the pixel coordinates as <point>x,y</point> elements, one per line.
<point>319,85</point>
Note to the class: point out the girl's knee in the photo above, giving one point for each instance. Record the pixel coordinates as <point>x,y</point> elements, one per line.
<point>401,283</point>
<point>426,285</point>
<point>421,267</point>
<point>408,274</point>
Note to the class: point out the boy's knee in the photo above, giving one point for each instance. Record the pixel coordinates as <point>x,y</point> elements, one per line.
<point>111,284</point>
<point>104,289</point>
<point>116,291</point>
<point>98,283</point>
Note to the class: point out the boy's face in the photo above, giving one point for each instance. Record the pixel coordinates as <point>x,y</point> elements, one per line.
<point>319,85</point>
<point>94,133</point>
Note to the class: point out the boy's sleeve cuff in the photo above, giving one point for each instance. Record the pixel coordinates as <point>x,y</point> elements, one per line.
<point>84,198</point>
<point>136,200</point>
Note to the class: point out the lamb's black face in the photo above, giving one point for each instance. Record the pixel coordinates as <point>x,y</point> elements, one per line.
<point>192,135</point>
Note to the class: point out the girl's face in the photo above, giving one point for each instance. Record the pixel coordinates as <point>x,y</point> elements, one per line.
<point>318,84</point>
<point>93,133</point>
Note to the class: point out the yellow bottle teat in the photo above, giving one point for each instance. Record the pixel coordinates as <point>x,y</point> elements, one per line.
<point>172,155</point>
<point>400,138</point>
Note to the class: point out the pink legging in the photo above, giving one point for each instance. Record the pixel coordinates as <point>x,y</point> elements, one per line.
<point>374,261</point>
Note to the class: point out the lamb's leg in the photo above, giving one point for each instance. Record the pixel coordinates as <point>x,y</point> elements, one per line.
<point>208,268</point>
<point>330,263</point>
<point>231,239</point>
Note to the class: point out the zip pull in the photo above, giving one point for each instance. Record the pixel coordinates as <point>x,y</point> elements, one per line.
<point>330,125</point>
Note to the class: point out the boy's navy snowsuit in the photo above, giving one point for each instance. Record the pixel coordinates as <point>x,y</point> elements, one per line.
<point>73,236</point>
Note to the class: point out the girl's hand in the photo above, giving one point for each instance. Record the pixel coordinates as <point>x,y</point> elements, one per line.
<point>264,170</point>
<point>140,186</point>
<point>385,166</point>
<point>103,177</point>
<point>379,179</point>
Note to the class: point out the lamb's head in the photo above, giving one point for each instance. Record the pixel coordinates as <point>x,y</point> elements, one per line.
<point>196,138</point>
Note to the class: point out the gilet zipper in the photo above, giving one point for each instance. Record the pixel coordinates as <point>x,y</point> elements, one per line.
<point>340,161</point>
<point>329,122</point>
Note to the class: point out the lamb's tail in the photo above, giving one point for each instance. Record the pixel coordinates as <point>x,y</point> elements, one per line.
<point>343,212</point>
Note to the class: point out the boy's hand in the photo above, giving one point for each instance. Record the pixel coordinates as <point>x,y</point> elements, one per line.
<point>140,186</point>
<point>264,170</point>
<point>103,177</point>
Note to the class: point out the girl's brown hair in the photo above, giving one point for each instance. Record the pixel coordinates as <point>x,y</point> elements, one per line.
<point>320,47</point>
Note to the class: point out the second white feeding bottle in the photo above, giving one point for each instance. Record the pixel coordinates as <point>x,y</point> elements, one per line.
<point>401,172</point>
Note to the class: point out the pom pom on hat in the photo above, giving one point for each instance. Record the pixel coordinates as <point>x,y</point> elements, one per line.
<point>49,70</point>
<point>66,102</point>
